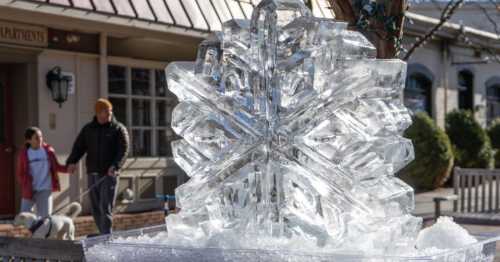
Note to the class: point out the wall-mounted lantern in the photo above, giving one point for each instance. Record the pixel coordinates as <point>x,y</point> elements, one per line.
<point>58,85</point>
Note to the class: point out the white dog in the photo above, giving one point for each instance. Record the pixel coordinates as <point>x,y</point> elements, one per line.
<point>52,227</point>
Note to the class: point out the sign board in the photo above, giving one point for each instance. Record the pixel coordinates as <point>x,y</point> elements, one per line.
<point>13,33</point>
<point>71,86</point>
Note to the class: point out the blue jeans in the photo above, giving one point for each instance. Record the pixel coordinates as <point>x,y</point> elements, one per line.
<point>42,200</point>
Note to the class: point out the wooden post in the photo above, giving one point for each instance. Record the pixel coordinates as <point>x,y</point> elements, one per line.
<point>490,193</point>
<point>437,211</point>
<point>476,197</point>
<point>497,192</point>
<point>469,193</point>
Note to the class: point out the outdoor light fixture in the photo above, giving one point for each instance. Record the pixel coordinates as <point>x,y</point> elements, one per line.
<point>58,85</point>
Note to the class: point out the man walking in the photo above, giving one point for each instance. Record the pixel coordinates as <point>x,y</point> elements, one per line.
<point>106,143</point>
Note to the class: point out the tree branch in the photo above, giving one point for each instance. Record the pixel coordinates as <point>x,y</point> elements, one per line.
<point>448,12</point>
<point>490,19</point>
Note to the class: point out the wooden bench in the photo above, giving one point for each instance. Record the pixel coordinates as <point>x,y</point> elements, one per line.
<point>476,197</point>
<point>30,249</point>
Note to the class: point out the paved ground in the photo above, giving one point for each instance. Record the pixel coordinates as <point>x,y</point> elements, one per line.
<point>424,204</point>
<point>424,207</point>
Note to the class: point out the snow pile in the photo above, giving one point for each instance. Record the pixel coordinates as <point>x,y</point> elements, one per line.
<point>444,234</point>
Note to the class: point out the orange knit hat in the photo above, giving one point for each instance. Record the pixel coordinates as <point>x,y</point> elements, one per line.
<point>102,104</point>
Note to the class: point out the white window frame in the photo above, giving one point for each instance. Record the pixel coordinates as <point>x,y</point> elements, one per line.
<point>152,66</point>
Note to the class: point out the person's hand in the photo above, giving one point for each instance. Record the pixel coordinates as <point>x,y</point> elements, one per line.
<point>112,171</point>
<point>71,168</point>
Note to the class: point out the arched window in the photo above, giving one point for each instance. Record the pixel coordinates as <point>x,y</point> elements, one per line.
<point>465,90</point>
<point>417,94</point>
<point>492,99</point>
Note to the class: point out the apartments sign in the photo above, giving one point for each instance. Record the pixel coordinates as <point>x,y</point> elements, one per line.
<point>23,34</point>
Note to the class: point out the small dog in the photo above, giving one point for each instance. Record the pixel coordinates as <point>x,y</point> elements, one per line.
<point>53,227</point>
<point>127,195</point>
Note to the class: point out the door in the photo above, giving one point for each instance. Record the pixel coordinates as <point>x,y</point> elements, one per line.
<point>7,189</point>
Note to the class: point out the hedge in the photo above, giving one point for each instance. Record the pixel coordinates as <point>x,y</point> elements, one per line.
<point>433,155</point>
<point>470,142</point>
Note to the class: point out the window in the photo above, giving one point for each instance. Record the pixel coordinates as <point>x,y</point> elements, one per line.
<point>119,108</point>
<point>465,90</point>
<point>140,82</point>
<point>142,102</point>
<point>117,79</point>
<point>417,94</point>
<point>147,187</point>
<point>492,102</point>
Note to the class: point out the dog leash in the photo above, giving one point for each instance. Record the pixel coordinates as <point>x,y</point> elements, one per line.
<point>84,192</point>
<point>40,222</point>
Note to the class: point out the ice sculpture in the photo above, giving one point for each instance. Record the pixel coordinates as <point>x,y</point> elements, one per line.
<point>291,136</point>
<point>292,131</point>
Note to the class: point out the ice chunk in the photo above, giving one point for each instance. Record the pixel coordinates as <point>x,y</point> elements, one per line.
<point>208,59</point>
<point>444,234</point>
<point>187,157</point>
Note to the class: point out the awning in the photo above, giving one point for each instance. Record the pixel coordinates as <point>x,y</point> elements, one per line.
<point>200,15</point>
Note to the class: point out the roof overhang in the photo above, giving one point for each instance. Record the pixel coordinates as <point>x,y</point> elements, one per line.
<point>61,16</point>
<point>420,24</point>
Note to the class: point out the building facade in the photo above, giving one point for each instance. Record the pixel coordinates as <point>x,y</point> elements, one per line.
<point>479,14</point>
<point>110,48</point>
<point>118,49</point>
<point>457,68</point>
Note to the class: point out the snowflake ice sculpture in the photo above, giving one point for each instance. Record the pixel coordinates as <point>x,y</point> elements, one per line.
<point>292,131</point>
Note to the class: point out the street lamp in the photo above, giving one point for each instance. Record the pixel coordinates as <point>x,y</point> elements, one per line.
<point>58,85</point>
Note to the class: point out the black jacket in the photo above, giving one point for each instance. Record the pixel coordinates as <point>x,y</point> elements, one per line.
<point>106,146</point>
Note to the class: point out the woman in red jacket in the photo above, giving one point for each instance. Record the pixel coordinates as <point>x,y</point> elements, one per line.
<point>37,173</point>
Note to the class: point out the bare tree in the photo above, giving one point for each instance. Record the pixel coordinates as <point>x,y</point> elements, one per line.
<point>380,21</point>
<point>488,16</point>
<point>496,28</point>
<point>446,14</point>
